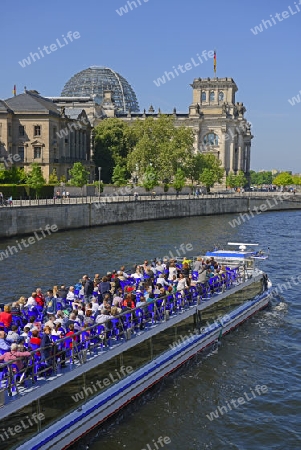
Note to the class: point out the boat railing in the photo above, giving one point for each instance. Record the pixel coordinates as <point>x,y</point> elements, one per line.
<point>75,350</point>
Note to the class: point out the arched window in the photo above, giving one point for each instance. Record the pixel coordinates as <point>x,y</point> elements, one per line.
<point>210,139</point>
<point>212,96</point>
<point>221,96</point>
<point>203,96</point>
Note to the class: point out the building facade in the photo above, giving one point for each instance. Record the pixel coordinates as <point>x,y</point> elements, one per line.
<point>217,120</point>
<point>36,130</point>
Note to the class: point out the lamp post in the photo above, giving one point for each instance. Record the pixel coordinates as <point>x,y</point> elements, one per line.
<point>99,174</point>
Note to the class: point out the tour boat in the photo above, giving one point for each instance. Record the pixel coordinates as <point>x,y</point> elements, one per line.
<point>121,361</point>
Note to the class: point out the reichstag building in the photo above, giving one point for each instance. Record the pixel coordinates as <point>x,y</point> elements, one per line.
<point>96,93</point>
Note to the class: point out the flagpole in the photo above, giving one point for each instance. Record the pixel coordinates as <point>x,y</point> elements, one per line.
<point>214,63</point>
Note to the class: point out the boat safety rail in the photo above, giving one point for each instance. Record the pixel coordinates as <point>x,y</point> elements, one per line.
<point>74,350</point>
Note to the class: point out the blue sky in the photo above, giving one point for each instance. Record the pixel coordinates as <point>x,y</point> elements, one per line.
<point>148,40</point>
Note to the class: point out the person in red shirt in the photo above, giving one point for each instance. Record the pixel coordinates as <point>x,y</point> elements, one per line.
<point>6,316</point>
<point>71,334</point>
<point>36,340</point>
<point>40,299</point>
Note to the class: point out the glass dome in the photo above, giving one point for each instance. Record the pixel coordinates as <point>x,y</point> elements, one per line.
<point>95,80</point>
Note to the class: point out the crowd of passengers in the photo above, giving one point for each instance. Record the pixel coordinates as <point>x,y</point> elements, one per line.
<point>37,321</point>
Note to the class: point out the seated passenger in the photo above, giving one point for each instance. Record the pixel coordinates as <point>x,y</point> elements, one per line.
<point>15,309</point>
<point>13,355</point>
<point>35,340</point>
<point>161,280</point>
<point>40,299</point>
<point>70,294</point>
<point>4,344</point>
<point>13,335</point>
<point>31,301</point>
<point>6,316</point>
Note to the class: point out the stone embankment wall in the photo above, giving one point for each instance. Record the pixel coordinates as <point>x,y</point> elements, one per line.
<point>16,221</point>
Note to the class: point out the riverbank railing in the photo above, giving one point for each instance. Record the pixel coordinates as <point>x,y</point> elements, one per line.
<point>114,198</point>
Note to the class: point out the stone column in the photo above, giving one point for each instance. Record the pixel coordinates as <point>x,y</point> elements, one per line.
<point>223,150</point>
<point>239,162</point>
<point>248,158</point>
<point>232,160</point>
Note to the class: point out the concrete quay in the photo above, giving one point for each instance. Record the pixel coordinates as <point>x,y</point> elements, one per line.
<point>68,214</point>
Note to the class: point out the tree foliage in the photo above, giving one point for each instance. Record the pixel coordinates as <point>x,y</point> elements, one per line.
<point>79,175</point>
<point>160,143</point>
<point>113,141</point>
<point>296,180</point>
<point>149,178</point>
<point>35,178</point>
<point>119,177</point>
<point>283,179</point>
<point>53,178</point>
<point>179,180</point>
<point>236,181</point>
<point>259,178</point>
<point>211,172</point>
<point>14,175</point>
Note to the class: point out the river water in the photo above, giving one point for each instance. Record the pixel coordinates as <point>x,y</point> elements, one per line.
<point>260,361</point>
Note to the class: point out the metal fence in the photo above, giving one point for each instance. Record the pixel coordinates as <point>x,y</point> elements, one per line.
<point>104,199</point>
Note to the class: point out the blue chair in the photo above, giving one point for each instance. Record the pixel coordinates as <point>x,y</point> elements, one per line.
<point>85,340</point>
<point>194,293</point>
<point>115,330</point>
<point>151,312</point>
<point>127,321</point>
<point>179,300</point>
<point>195,275</point>
<point>123,284</point>
<point>141,317</point>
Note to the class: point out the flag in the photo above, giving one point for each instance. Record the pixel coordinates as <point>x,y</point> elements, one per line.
<point>15,90</point>
<point>214,62</point>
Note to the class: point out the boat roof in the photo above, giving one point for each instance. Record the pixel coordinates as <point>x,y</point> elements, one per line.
<point>235,254</point>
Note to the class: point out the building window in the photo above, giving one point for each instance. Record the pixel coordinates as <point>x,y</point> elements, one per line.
<point>21,153</point>
<point>221,96</point>
<point>9,130</point>
<point>37,151</point>
<point>212,96</point>
<point>21,130</point>
<point>203,96</point>
<point>37,130</point>
<point>54,131</point>
<point>210,139</point>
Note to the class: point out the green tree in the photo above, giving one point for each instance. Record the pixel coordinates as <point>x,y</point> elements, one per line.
<point>179,180</point>
<point>212,171</point>
<point>119,177</point>
<point>259,178</point>
<point>113,141</point>
<point>79,175</point>
<point>241,179</point>
<point>283,179</point>
<point>35,179</point>
<point>231,180</point>
<point>296,180</point>
<point>53,179</point>
<point>14,175</point>
<point>160,143</point>
<point>193,167</point>
<point>150,178</point>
